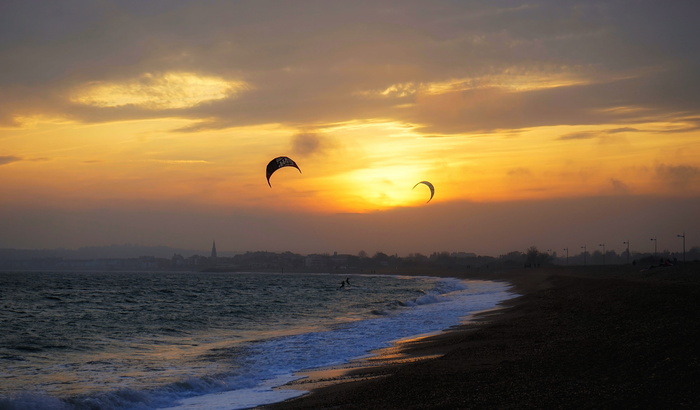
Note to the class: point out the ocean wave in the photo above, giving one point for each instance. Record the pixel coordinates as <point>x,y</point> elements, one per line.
<point>428,299</point>
<point>32,401</point>
<point>228,343</point>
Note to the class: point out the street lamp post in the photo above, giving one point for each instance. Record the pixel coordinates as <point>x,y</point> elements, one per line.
<point>567,256</point>
<point>584,254</point>
<point>654,239</point>
<point>628,250</point>
<point>603,245</point>
<point>683,236</point>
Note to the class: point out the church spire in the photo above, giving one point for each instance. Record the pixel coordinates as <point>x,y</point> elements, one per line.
<point>213,249</point>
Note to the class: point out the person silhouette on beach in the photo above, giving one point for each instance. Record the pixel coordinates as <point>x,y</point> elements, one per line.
<point>347,280</point>
<point>342,285</point>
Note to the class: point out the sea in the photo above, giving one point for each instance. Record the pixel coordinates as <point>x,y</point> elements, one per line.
<point>196,340</point>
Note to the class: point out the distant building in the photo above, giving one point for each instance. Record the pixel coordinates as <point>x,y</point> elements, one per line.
<point>316,261</point>
<point>177,261</point>
<point>213,250</point>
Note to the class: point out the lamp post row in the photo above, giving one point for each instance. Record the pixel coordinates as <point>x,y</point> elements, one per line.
<point>584,247</point>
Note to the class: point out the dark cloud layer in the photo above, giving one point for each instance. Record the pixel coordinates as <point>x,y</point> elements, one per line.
<point>484,228</point>
<point>308,61</point>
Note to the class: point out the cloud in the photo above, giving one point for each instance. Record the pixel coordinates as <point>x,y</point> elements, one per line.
<point>169,90</point>
<point>489,67</point>
<point>521,171</point>
<point>619,187</point>
<point>679,177</point>
<point>7,159</point>
<point>181,161</point>
<point>309,143</point>
<point>497,109</point>
<point>579,136</point>
<point>623,129</point>
<point>585,135</point>
<point>687,125</point>
<point>305,144</point>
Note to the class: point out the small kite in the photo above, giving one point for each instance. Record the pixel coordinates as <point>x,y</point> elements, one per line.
<point>278,163</point>
<point>432,188</point>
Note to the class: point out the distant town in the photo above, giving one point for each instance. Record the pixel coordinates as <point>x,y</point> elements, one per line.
<point>114,259</point>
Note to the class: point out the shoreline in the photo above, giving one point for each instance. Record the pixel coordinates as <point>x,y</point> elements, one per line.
<point>378,362</point>
<point>597,336</point>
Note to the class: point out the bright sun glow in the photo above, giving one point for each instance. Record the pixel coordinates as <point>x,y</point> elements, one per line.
<point>386,187</point>
<point>361,166</point>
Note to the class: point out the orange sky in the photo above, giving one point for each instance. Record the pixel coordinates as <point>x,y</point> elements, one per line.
<point>129,109</point>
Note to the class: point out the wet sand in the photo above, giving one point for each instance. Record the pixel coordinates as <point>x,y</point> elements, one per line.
<point>581,337</point>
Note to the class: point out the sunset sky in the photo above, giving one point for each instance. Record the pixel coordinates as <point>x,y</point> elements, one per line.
<point>547,122</point>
